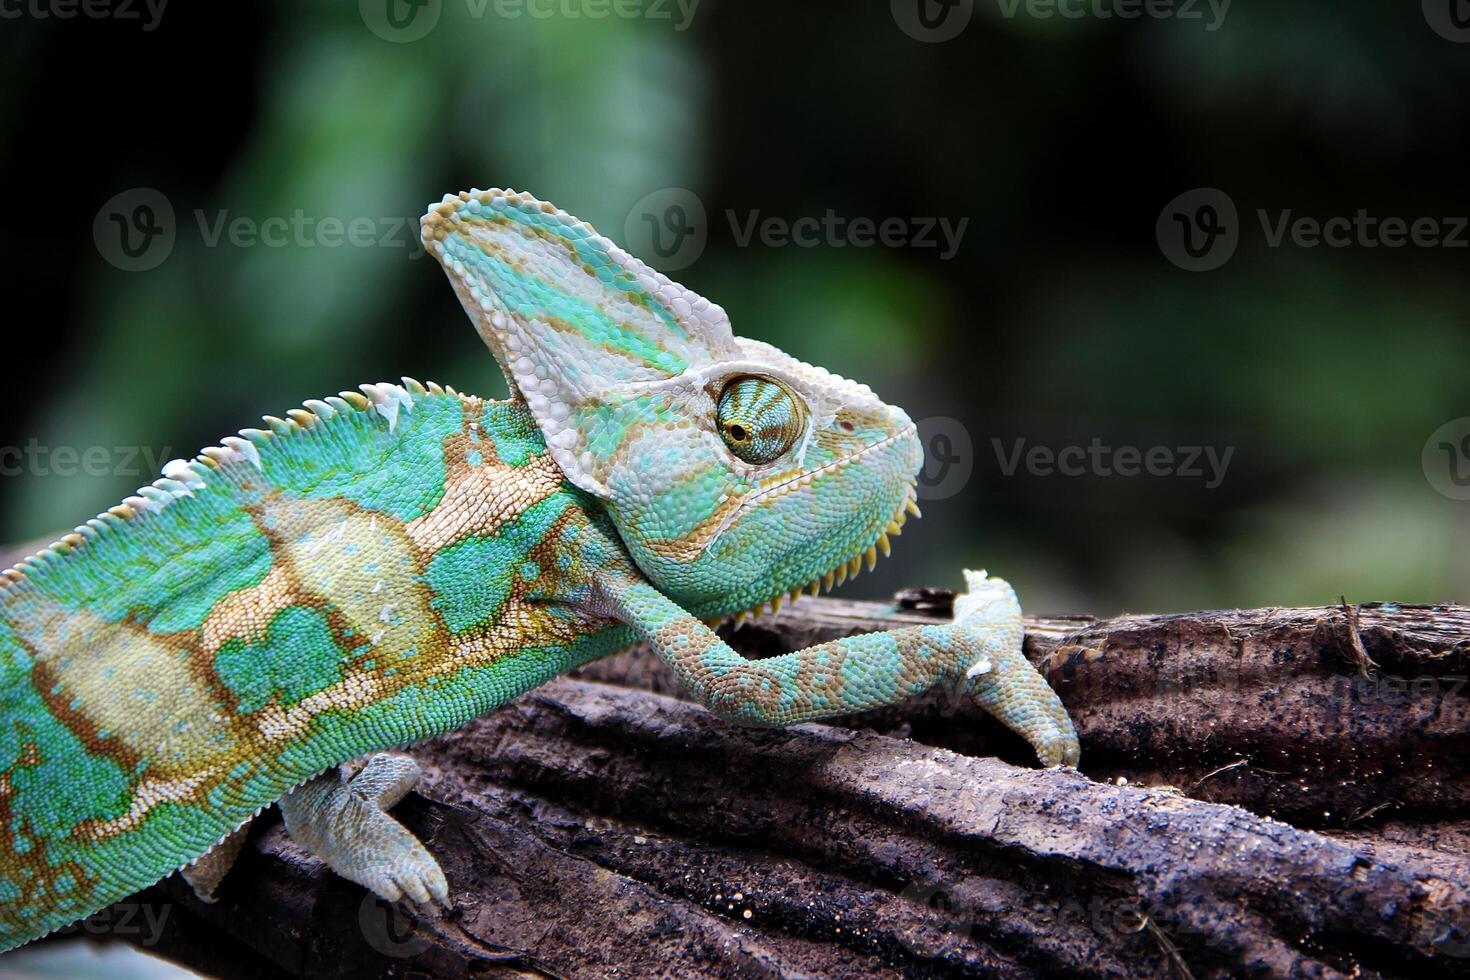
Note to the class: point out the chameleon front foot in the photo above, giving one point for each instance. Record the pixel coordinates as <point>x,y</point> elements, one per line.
<point>345,824</point>
<point>988,620</point>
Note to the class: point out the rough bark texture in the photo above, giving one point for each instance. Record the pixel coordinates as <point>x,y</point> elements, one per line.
<point>1272,792</point>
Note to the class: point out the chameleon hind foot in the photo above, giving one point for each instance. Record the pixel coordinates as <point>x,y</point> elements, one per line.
<point>344,823</point>
<point>206,872</point>
<point>988,619</point>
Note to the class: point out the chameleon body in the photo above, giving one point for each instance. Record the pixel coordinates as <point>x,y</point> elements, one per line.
<point>386,565</point>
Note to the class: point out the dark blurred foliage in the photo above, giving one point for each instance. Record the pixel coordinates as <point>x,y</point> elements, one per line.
<point>1059,320</point>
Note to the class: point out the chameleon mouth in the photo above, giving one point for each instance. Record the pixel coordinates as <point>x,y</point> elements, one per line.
<point>840,572</point>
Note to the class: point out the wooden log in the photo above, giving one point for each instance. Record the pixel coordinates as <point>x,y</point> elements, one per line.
<point>596,827</point>
<point>1322,716</point>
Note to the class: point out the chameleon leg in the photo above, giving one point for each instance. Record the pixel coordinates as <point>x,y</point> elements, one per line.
<point>345,825</point>
<point>1002,680</point>
<point>205,873</point>
<point>981,650</point>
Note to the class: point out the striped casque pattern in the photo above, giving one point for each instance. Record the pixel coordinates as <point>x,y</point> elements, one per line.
<point>622,369</point>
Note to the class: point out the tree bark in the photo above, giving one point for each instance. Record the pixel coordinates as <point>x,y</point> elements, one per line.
<point>1271,792</point>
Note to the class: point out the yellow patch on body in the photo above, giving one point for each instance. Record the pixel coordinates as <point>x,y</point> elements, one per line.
<point>363,563</point>
<point>137,687</point>
<point>148,794</point>
<point>146,691</point>
<point>357,689</point>
<point>521,625</point>
<point>246,614</point>
<point>480,500</point>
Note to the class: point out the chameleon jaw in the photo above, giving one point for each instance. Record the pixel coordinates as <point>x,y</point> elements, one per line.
<point>804,480</point>
<point>839,573</point>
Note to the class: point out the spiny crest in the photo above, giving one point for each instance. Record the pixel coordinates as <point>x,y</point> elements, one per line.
<point>183,478</point>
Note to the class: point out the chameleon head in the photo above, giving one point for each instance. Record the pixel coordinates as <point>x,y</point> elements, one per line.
<point>761,476</point>
<point>735,473</point>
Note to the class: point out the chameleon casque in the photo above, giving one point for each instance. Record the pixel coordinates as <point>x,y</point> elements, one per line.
<point>385,566</point>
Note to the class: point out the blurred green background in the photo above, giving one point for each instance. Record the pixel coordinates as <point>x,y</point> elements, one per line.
<point>1059,320</point>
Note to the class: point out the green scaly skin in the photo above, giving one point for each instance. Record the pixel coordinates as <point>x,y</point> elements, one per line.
<point>382,567</point>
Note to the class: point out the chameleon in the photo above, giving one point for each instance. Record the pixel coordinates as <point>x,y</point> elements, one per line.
<point>387,564</point>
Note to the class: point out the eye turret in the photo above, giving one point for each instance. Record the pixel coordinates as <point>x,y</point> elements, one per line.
<point>759,418</point>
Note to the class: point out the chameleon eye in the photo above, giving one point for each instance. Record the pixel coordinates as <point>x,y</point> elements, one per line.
<point>760,419</point>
